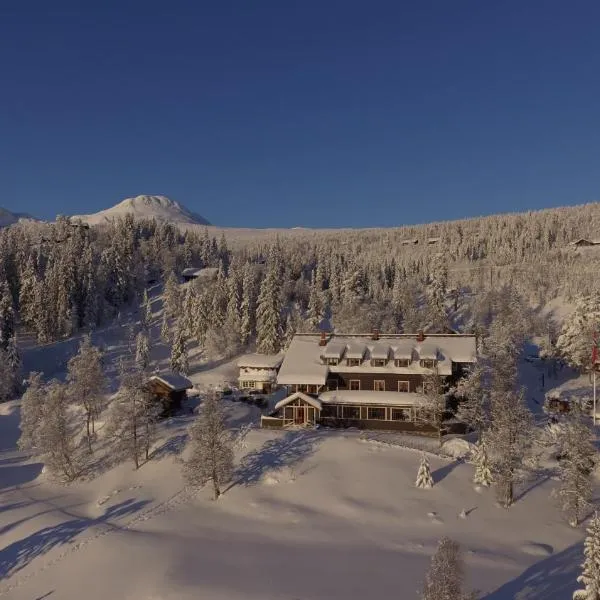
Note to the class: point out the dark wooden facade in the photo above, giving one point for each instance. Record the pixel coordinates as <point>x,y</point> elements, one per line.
<point>170,400</point>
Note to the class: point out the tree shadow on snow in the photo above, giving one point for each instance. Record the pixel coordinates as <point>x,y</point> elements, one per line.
<point>286,451</point>
<point>19,554</point>
<point>174,446</point>
<point>443,472</point>
<point>12,476</point>
<point>553,578</point>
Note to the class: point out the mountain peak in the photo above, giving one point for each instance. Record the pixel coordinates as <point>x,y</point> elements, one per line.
<point>161,208</point>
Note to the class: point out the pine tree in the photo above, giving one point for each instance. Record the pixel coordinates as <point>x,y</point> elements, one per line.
<point>179,357</point>
<point>590,576</point>
<point>146,313</point>
<point>315,307</point>
<point>424,478</point>
<point>445,578</point>
<point>171,296</point>
<point>483,475</point>
<point>247,308</point>
<point>268,312</point>
<point>211,448</point>
<point>87,384</point>
<point>577,462</point>
<point>32,413</point>
<point>142,351</point>
<point>7,316</point>
<point>165,332</point>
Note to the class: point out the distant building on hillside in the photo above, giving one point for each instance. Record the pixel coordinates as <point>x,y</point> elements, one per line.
<point>367,381</point>
<point>192,273</point>
<point>259,371</point>
<point>410,242</point>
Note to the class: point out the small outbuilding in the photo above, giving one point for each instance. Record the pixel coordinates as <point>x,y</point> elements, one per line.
<point>170,389</point>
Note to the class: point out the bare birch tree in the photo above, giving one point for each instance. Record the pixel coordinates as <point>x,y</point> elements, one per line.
<point>87,384</point>
<point>211,456</point>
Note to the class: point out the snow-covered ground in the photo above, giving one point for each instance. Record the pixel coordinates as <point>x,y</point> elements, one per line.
<point>309,514</point>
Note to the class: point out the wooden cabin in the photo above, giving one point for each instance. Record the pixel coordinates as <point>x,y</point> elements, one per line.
<point>192,273</point>
<point>370,381</point>
<point>170,389</point>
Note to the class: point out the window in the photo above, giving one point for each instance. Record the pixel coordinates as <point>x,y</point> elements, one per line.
<point>403,386</point>
<point>400,414</point>
<point>376,414</point>
<point>378,362</point>
<point>402,362</point>
<point>355,384</point>
<point>301,388</point>
<point>351,412</point>
<point>312,389</point>
<point>379,385</point>
<point>288,412</point>
<point>428,363</point>
<point>332,385</point>
<point>329,412</point>
<point>353,362</point>
<point>332,362</point>
<point>248,385</point>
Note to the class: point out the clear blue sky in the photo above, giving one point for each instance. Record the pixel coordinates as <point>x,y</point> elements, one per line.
<point>312,113</point>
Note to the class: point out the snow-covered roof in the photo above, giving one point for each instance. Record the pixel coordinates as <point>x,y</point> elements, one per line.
<point>372,398</point>
<point>173,381</point>
<point>380,351</point>
<point>334,350</point>
<point>260,361</point>
<point>355,349</point>
<point>299,396</point>
<point>303,364</point>
<point>202,272</point>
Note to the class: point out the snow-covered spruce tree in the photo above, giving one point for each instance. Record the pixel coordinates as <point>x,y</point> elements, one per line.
<point>186,318</point>
<point>7,316</point>
<point>201,316</point>
<point>474,397</point>
<point>219,300</point>
<point>132,415</point>
<point>268,311</point>
<point>247,306</point>
<point>172,296</point>
<point>87,384</point>
<point>508,441</point>
<point>424,478</point>
<point>211,457</point>
<point>483,474</point>
<point>165,332</point>
<point>146,313</point>
<point>179,356</point>
<point>590,576</point>
<point>142,351</point>
<point>574,343</point>
<point>315,306</point>
<point>577,452</point>
<point>446,575</point>
<point>436,296</point>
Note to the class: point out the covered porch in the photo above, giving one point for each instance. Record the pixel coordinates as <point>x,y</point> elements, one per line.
<point>299,410</point>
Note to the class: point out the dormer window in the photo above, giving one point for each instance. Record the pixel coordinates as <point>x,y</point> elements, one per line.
<point>332,362</point>
<point>353,362</point>
<point>428,363</point>
<point>402,362</point>
<point>378,362</point>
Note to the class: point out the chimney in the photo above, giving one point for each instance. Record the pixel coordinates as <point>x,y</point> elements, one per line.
<point>420,336</point>
<point>375,334</point>
<point>323,340</point>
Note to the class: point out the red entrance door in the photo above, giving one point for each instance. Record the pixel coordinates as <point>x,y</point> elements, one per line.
<point>299,415</point>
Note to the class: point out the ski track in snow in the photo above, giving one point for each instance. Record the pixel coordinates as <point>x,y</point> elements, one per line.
<point>180,497</point>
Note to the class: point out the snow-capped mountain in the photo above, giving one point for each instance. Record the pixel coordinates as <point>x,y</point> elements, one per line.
<point>147,207</point>
<point>9,218</point>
